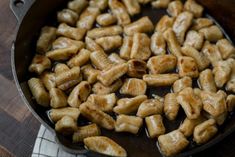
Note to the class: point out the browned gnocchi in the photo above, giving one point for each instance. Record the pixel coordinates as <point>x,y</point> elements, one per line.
<point>111,67</point>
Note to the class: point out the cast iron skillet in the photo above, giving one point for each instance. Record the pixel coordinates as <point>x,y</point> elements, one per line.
<point>32,15</point>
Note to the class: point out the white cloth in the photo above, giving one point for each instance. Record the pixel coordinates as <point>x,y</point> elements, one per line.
<point>45,146</point>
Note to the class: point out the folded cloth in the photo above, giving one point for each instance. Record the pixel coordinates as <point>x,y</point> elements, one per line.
<point>45,146</point>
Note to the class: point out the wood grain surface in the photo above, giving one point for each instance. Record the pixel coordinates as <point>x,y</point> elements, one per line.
<point>18,128</point>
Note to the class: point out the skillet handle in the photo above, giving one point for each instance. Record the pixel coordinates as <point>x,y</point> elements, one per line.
<point>20,7</point>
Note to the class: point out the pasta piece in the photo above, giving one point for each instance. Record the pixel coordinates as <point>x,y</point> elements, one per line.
<point>107,77</point>
<point>230,86</point>
<point>119,10</point>
<point>132,6</point>
<point>163,4</point>
<point>193,7</point>
<point>144,1</point>
<point>172,42</point>
<point>63,42</point>
<point>204,131</point>
<point>182,83</point>
<point>181,25</point>
<point>58,98</point>
<point>161,64</point>
<point>190,102</point>
<point>106,19</point>
<point>39,92</point>
<point>77,5</point>
<point>212,33</point>
<point>92,45</point>
<point>188,125</point>
<point>220,119</point>
<point>39,64</point>
<point>133,87</point>
<point>48,80</point>
<point>104,32</point>
<point>100,60</point>
<point>66,125</point>
<point>207,81</point>
<point>47,36</point>
<point>155,126</point>
<point>150,107</point>
<point>63,53</point>
<point>126,123</point>
<point>230,101</point>
<point>104,102</point>
<point>90,74</point>
<point>141,47</point>
<point>101,4</point>
<point>175,8</point>
<point>87,18</point>
<point>60,68</point>
<point>97,116</point>
<point>67,76</point>
<point>116,59</point>
<point>129,105</point>
<point>159,98</point>
<point>200,59</point>
<point>79,94</point>
<point>60,71</point>
<point>200,23</point>
<point>57,114</point>
<point>80,59</point>
<point>110,42</point>
<point>67,16</point>
<point>158,44</point>
<point>197,91</point>
<point>171,106</point>
<point>158,80</point>
<point>211,52</point>
<point>142,25</point>
<point>104,145</point>
<point>136,68</point>
<point>99,88</point>
<point>213,103</point>
<point>226,48</point>
<point>71,32</point>
<point>194,39</point>
<point>172,143</point>
<point>86,131</point>
<point>187,67</point>
<point>164,23</point>
<point>222,72</point>
<point>125,50</point>
<point>222,93</point>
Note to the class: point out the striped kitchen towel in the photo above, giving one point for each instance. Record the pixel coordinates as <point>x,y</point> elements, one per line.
<point>45,146</point>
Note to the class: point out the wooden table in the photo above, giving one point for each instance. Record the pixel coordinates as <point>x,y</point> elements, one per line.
<point>18,128</point>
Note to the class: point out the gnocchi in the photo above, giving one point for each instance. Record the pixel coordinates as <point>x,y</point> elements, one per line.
<point>150,107</point>
<point>143,25</point>
<point>171,106</point>
<point>172,142</point>
<point>190,102</point>
<point>130,124</point>
<point>108,64</point>
<point>129,105</point>
<point>155,126</point>
<point>133,87</point>
<point>106,19</point>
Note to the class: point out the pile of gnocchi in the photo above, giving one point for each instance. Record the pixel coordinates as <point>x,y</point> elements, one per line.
<point>98,52</point>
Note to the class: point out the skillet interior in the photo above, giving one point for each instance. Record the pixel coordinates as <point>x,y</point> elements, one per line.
<point>44,12</point>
